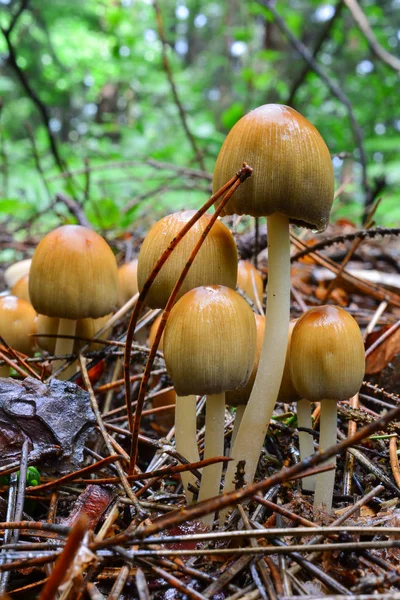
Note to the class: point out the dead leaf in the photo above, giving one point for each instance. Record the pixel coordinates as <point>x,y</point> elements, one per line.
<point>384,353</point>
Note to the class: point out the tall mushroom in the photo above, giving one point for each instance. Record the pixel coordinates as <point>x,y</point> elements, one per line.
<point>209,348</point>
<point>327,363</point>
<point>216,263</point>
<point>74,275</point>
<point>292,182</point>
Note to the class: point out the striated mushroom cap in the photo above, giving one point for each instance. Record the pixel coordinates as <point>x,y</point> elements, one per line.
<point>127,279</point>
<point>327,357</point>
<point>215,264</point>
<point>210,341</point>
<point>18,324</point>
<point>73,275</point>
<point>293,173</point>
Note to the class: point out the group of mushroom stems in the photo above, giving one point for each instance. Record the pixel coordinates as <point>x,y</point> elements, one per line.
<point>214,344</point>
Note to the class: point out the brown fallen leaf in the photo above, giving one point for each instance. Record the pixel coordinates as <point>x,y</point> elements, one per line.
<point>384,353</point>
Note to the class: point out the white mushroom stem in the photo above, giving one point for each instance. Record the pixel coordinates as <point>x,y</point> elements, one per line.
<point>213,446</point>
<point>304,419</point>
<point>325,482</point>
<point>65,346</point>
<point>186,437</point>
<point>238,419</point>
<point>259,409</point>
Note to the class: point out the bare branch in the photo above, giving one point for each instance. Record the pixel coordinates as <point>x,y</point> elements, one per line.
<point>362,23</point>
<point>164,43</point>
<point>332,85</point>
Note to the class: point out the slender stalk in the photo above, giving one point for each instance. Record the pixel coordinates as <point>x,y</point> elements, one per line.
<point>238,419</point>
<point>259,409</point>
<point>65,346</point>
<point>186,437</point>
<point>306,443</point>
<point>325,482</point>
<point>213,446</point>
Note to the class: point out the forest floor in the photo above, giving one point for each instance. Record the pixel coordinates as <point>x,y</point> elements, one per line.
<point>94,532</point>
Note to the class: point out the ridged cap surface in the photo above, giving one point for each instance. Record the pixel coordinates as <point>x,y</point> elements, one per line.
<point>73,275</point>
<point>327,358</point>
<point>215,264</point>
<point>210,341</point>
<point>293,173</point>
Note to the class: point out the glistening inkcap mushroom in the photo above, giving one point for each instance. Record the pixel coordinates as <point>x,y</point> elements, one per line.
<point>74,275</point>
<point>327,364</point>
<point>292,182</point>
<point>209,348</point>
<point>216,263</point>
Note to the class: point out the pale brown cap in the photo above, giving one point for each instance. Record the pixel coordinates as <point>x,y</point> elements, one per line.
<point>127,279</point>
<point>18,324</point>
<point>287,392</point>
<point>153,331</point>
<point>242,394</point>
<point>20,289</point>
<point>215,264</point>
<point>210,341</point>
<point>15,271</point>
<point>292,167</point>
<point>327,358</point>
<point>249,280</point>
<point>73,275</point>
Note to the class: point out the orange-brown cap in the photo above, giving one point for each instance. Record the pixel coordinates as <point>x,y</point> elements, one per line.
<point>210,341</point>
<point>242,394</point>
<point>15,271</point>
<point>73,275</point>
<point>18,324</point>
<point>293,172</point>
<point>20,289</point>
<point>249,280</point>
<point>127,278</point>
<point>215,264</point>
<point>287,392</point>
<point>152,333</point>
<point>327,358</point>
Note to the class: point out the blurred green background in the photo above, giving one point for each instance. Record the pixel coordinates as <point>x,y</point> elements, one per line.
<point>96,66</point>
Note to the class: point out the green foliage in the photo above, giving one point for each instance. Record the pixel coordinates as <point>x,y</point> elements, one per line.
<point>98,69</point>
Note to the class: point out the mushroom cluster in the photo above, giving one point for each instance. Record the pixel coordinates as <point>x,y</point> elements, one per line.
<point>213,344</point>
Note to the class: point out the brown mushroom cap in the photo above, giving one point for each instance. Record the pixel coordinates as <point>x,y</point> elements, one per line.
<point>242,394</point>
<point>127,278</point>
<point>210,341</point>
<point>287,392</point>
<point>248,278</point>
<point>73,275</point>
<point>327,357</point>
<point>293,172</point>
<point>15,271</point>
<point>215,264</point>
<point>18,324</point>
<point>20,289</point>
<point>153,331</point>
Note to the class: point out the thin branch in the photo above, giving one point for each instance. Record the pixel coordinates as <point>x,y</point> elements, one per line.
<point>74,208</point>
<point>167,67</point>
<point>332,86</point>
<point>349,237</point>
<point>42,108</point>
<point>362,23</point>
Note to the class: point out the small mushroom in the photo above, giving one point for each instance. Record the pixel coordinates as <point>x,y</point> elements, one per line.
<point>74,275</point>
<point>327,364</point>
<point>209,348</point>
